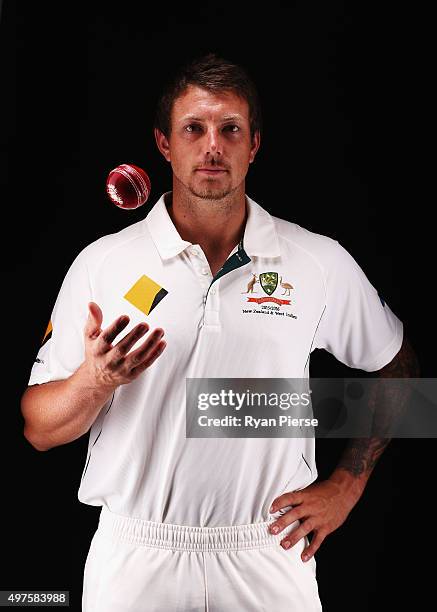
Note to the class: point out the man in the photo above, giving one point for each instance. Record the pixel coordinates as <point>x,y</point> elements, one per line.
<point>218,524</point>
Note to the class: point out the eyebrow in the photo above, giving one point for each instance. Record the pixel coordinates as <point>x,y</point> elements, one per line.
<point>225,118</point>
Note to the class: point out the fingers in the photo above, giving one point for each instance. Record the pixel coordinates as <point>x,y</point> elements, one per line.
<point>145,351</point>
<point>292,538</point>
<point>119,364</point>
<point>153,355</point>
<point>94,321</point>
<point>287,518</point>
<point>299,511</point>
<point>125,345</point>
<point>96,312</point>
<point>287,499</point>
<point>314,546</point>
<point>302,532</point>
<point>321,510</point>
<point>109,334</point>
<point>120,350</point>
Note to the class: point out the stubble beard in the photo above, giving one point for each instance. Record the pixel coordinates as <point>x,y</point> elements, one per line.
<point>209,191</point>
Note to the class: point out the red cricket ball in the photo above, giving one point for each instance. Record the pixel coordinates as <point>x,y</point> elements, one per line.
<point>128,186</point>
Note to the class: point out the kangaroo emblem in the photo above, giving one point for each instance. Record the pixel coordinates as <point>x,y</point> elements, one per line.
<point>250,284</point>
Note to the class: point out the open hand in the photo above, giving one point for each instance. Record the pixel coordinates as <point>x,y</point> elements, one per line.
<point>113,365</point>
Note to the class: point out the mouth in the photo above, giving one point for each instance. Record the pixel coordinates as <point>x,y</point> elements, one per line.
<point>211,171</point>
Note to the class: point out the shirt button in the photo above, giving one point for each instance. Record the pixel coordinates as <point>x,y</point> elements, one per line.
<point>205,270</point>
<point>193,251</point>
<point>213,291</point>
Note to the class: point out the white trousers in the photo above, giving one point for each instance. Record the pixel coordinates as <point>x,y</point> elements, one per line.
<point>141,566</point>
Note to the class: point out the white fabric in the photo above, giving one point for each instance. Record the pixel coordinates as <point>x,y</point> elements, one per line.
<point>134,566</point>
<point>139,462</point>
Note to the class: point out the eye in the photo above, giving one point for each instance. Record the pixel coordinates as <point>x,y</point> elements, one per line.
<point>231,128</point>
<point>192,127</point>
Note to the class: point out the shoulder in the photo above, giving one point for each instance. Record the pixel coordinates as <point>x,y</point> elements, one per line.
<point>335,262</point>
<point>97,251</point>
<point>321,249</point>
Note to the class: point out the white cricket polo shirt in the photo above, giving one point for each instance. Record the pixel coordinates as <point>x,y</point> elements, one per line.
<point>285,293</point>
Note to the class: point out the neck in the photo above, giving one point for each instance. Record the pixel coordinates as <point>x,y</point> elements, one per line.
<point>216,225</point>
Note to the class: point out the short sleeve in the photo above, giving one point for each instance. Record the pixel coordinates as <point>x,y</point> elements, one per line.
<point>63,349</point>
<point>357,326</point>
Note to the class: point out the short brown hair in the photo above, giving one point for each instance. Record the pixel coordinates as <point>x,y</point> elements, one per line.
<point>214,74</point>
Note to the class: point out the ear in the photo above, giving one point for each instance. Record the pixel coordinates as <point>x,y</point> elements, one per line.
<point>162,143</point>
<point>256,141</point>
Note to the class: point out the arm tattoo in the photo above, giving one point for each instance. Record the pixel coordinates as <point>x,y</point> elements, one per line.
<point>361,455</point>
<point>387,403</point>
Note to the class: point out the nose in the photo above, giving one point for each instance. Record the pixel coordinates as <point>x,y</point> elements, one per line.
<point>213,142</point>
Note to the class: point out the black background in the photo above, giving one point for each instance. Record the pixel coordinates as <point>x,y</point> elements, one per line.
<point>341,102</point>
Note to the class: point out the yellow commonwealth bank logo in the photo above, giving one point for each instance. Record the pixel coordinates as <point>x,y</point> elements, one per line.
<point>48,333</point>
<point>145,294</point>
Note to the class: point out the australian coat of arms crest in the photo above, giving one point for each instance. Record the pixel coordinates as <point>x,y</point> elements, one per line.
<point>269,283</point>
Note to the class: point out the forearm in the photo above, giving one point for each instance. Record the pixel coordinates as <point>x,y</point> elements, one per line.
<point>356,464</point>
<point>387,403</point>
<point>61,411</point>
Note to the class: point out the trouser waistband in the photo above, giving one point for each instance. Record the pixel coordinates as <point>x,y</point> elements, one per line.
<point>188,538</point>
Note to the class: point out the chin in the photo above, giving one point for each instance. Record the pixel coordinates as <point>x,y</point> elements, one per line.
<point>211,194</point>
<point>208,191</point>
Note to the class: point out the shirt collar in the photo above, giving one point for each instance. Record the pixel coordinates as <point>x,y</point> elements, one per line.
<point>260,237</point>
<point>164,234</point>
